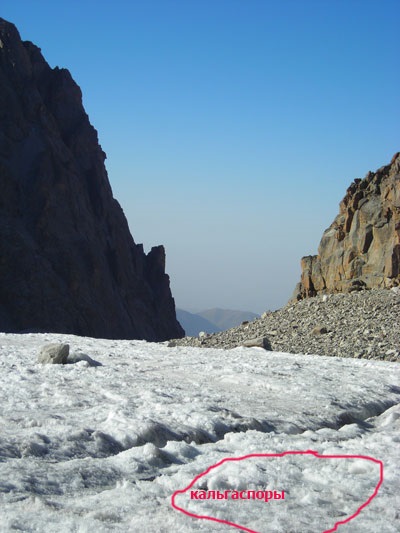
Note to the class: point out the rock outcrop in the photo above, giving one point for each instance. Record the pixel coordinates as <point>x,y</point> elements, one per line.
<point>67,260</point>
<point>361,248</point>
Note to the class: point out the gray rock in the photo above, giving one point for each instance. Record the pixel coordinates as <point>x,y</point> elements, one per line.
<point>172,344</point>
<point>259,342</point>
<point>54,354</point>
<point>319,330</point>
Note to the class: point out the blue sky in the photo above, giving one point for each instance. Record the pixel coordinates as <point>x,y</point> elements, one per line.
<point>232,127</point>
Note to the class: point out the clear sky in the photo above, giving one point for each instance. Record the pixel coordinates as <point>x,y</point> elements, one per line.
<point>232,127</point>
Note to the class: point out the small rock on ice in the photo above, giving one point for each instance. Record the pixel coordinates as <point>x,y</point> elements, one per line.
<point>259,342</point>
<point>55,354</point>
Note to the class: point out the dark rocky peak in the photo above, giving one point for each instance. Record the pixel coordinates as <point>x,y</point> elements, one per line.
<point>67,260</point>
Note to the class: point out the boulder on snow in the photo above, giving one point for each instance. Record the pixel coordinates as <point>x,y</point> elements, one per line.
<point>55,354</point>
<point>259,342</point>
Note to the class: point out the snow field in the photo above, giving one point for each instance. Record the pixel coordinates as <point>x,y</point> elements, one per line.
<point>105,447</point>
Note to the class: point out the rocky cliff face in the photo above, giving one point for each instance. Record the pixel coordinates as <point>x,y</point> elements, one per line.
<point>361,248</point>
<point>67,260</point>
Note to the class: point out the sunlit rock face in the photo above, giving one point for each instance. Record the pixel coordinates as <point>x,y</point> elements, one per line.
<point>67,260</point>
<point>361,248</point>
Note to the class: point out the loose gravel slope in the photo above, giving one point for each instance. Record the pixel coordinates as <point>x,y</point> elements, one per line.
<point>364,324</point>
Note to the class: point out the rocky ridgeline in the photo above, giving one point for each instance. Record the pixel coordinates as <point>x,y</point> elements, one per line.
<point>362,324</point>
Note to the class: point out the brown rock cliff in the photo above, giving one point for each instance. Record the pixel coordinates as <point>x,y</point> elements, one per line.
<point>67,260</point>
<point>361,248</point>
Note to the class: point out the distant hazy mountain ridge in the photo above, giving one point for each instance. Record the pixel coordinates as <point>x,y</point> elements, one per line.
<point>193,323</point>
<point>212,320</point>
<point>227,318</point>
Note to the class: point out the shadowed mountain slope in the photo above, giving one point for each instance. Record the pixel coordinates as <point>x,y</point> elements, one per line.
<point>67,260</point>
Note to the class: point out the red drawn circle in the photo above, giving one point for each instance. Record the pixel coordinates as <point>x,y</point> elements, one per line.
<point>290,452</point>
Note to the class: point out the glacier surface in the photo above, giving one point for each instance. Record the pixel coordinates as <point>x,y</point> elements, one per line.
<point>105,447</point>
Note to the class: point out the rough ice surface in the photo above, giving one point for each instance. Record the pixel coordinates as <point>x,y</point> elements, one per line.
<point>103,448</point>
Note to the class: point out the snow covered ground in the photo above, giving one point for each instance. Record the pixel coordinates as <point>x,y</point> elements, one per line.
<point>104,448</point>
